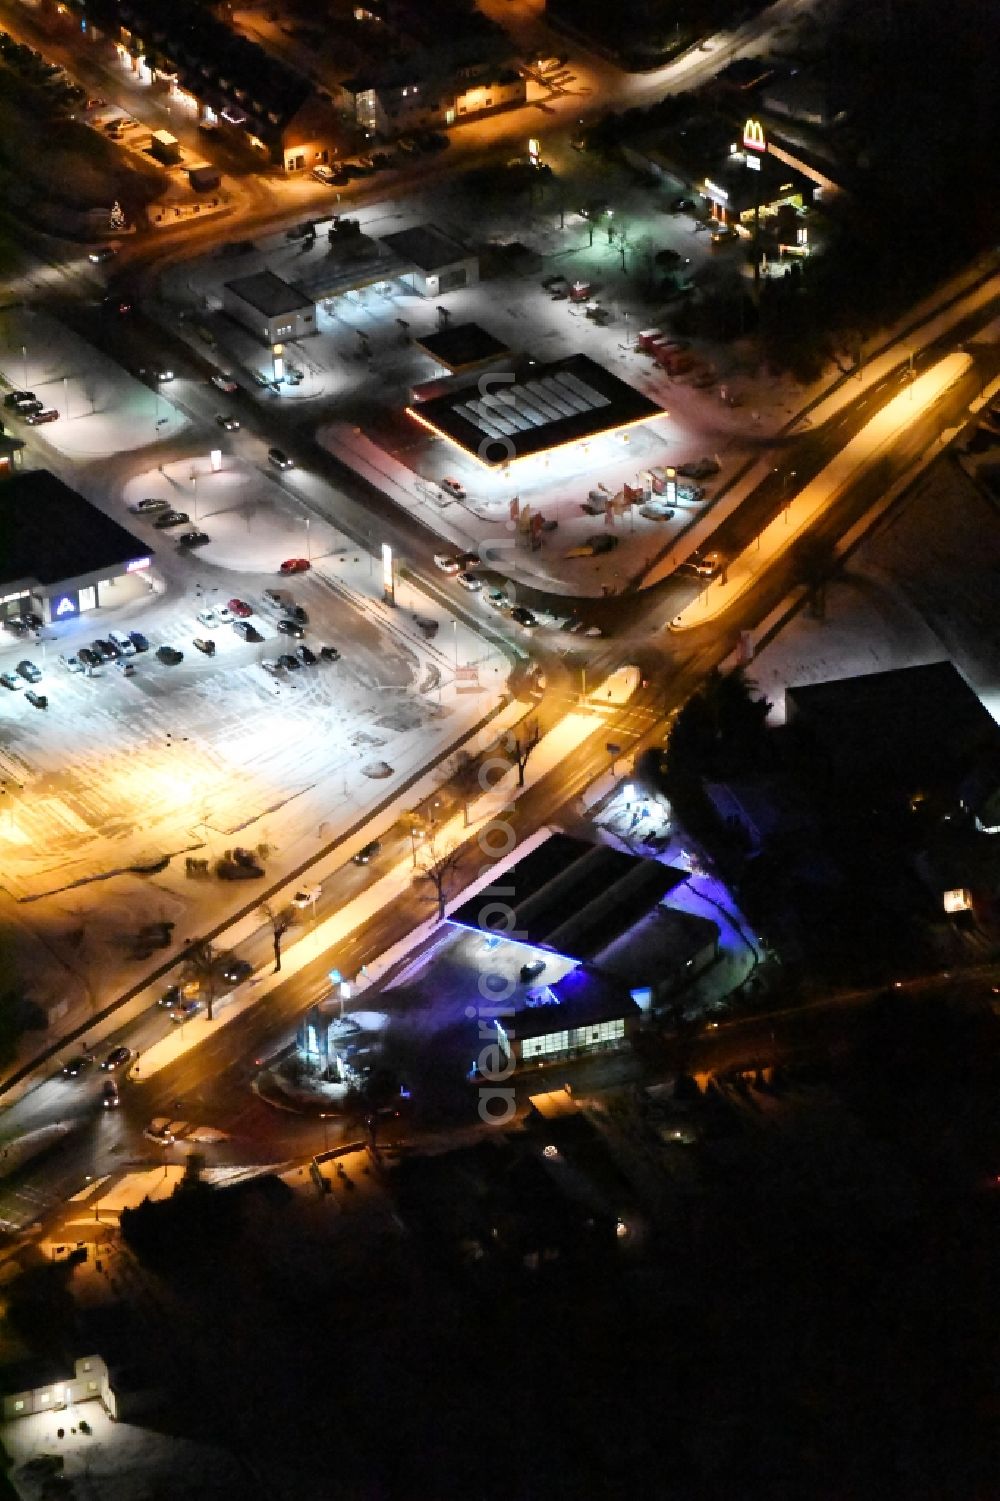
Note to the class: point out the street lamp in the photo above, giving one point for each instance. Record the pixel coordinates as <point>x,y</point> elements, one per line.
<point>24,357</point>
<point>611,228</point>
<point>307,520</point>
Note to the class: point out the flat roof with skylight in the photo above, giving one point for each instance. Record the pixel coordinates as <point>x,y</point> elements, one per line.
<point>545,406</point>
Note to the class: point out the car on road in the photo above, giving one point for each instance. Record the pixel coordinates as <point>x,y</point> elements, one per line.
<point>138,640</point>
<point>89,658</point>
<point>148,505</point>
<point>183,1010</point>
<point>699,468</point>
<point>71,663</point>
<point>226,420</point>
<point>171,518</point>
<point>224,613</point>
<point>73,1067</point>
<point>9,680</point>
<point>36,700</point>
<point>110,1098</point>
<point>290,628</point>
<point>101,254</point>
<point>295,565</point>
<point>367,853</point>
<point>224,382</point>
<point>159,1131</point>
<point>120,305</point>
<point>523,617</point>
<point>240,609</point>
<point>29,671</point>
<point>453,487</point>
<point>306,656</point>
<point>288,662</point>
<point>170,996</point>
<point>306,897</point>
<point>456,562</point>
<point>47,414</point>
<point>117,1058</point>
<point>193,539</point>
<point>235,971</point>
<point>110,650</point>
<point>208,619</point>
<point>324,175</point>
<point>169,656</point>
<point>247,631</point>
<point>704,565</point>
<point>498,598</point>
<point>201,644</point>
<point>471,582</point>
<point>279,459</point>
<point>15,625</point>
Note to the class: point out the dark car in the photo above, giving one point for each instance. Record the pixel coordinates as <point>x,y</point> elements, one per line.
<point>193,539</point>
<point>235,971</point>
<point>138,640</point>
<point>532,970</point>
<point>171,518</point>
<point>9,680</point>
<point>289,663</point>
<point>291,628</point>
<point>15,625</point>
<point>170,997</point>
<point>46,414</point>
<point>110,1098</point>
<point>279,458</point>
<point>120,305</point>
<point>169,656</point>
<point>14,398</point>
<point>523,617</point>
<point>329,654</point>
<point>201,643</point>
<point>182,1011</point>
<point>367,854</point>
<point>109,648</point>
<point>32,621</point>
<point>29,671</point>
<point>294,612</point>
<point>116,1059</point>
<point>73,1067</point>
<point>247,631</point>
<point>29,408</point>
<point>36,700</point>
<point>306,656</point>
<point>87,657</point>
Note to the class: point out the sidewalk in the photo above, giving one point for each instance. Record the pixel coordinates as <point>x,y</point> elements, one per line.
<point>802,511</point>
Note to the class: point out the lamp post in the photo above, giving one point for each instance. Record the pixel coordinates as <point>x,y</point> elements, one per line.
<point>66,397</point>
<point>24,357</point>
<point>307,520</point>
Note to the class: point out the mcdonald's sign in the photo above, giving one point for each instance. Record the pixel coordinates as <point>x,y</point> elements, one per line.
<point>753,136</point>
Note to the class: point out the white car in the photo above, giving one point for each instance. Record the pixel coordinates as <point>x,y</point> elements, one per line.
<point>161,1131</point>
<point>142,507</point>
<point>224,381</point>
<point>208,619</point>
<point>447,562</point>
<point>471,582</point>
<point>324,175</point>
<point>224,614</point>
<point>453,487</point>
<point>307,896</point>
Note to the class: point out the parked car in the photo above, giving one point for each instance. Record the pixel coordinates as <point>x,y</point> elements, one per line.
<point>240,609</point>
<point>324,175</point>
<point>453,487</point>
<point>235,971</point>
<point>183,1010</point>
<point>71,663</point>
<point>699,468</point>
<point>455,562</point>
<point>13,399</point>
<point>169,656</point>
<point>102,254</point>
<point>90,659</point>
<point>271,665</point>
<point>295,565</point>
<point>15,625</point>
<point>110,1098</point>
<point>29,671</point>
<point>193,539</point>
<point>36,700</point>
<point>149,504</point>
<point>703,565</point>
<point>203,645</point>
<point>224,382</point>
<point>159,1131</point>
<point>276,598</point>
<point>74,1067</point>
<point>471,582</point>
<point>124,643</point>
<point>247,631</point>
<point>230,423</point>
<point>367,853</point>
<point>9,681</point>
<point>288,662</point>
<point>116,1059</point>
<point>279,459</point>
<point>170,996</point>
<point>225,614</point>
<point>290,628</point>
<point>171,518</point>
<point>208,619</point>
<point>523,617</point>
<point>329,654</point>
<point>127,669</point>
<point>498,598</point>
<point>138,640</point>
<point>306,656</point>
<point>46,414</point>
<point>110,650</point>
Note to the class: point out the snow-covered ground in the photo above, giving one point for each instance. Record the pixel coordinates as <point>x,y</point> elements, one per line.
<point>923,589</point>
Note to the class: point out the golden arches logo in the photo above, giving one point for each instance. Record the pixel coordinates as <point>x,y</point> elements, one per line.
<point>753,136</point>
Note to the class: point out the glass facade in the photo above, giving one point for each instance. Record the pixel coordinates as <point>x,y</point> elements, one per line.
<point>574,1040</point>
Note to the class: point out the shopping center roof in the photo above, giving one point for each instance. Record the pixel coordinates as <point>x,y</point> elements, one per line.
<point>49,533</point>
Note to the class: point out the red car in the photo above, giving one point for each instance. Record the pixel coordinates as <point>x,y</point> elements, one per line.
<point>240,608</point>
<point>295,565</point>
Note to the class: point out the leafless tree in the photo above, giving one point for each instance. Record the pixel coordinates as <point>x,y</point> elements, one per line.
<point>199,964</point>
<point>521,745</point>
<point>437,864</point>
<point>280,923</point>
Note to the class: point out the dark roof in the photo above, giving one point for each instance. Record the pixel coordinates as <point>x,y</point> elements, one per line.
<point>572,897</point>
<point>580,999</point>
<point>545,407</point>
<point>425,247</point>
<point>49,532</point>
<point>460,345</point>
<point>269,294</point>
<point>915,728</point>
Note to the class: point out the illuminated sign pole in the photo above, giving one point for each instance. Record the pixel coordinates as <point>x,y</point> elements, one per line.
<point>755,147</point>
<point>388,575</point>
